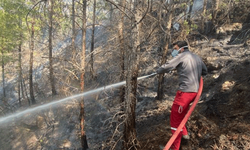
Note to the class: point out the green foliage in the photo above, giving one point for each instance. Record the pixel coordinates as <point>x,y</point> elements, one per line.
<point>12,14</point>
<point>183,5</point>
<point>185,22</point>
<point>223,5</point>
<point>210,16</point>
<point>194,26</point>
<point>6,58</point>
<point>102,7</point>
<point>188,28</point>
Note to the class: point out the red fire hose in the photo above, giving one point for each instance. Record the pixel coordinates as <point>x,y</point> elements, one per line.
<point>183,122</point>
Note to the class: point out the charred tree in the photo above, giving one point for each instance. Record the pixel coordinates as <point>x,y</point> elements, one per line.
<point>20,76</point>
<point>73,31</point>
<point>3,76</point>
<point>166,41</point>
<point>20,71</point>
<point>84,143</point>
<point>132,60</point>
<point>215,6</point>
<point>32,97</point>
<point>122,51</point>
<point>93,41</point>
<point>51,72</point>
<point>191,3</point>
<point>204,16</point>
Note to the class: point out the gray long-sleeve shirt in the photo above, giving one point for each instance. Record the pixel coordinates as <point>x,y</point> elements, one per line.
<point>189,67</point>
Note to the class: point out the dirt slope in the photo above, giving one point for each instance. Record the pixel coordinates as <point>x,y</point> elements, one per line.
<point>221,119</point>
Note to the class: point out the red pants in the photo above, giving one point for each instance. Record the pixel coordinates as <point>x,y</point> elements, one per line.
<point>178,111</point>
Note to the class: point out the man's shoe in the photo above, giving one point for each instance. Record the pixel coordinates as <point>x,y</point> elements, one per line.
<point>187,137</point>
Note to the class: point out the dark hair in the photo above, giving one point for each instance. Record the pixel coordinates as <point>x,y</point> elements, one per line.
<point>180,43</point>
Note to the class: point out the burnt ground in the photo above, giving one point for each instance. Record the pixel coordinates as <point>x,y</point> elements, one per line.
<point>221,119</point>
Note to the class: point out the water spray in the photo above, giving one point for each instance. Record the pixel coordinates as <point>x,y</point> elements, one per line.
<point>41,107</point>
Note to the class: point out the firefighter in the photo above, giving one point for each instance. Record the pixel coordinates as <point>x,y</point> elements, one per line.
<point>189,68</point>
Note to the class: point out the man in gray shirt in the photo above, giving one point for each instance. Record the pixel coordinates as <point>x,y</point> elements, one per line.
<point>189,67</point>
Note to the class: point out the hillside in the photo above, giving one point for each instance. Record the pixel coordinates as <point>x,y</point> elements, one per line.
<point>220,120</point>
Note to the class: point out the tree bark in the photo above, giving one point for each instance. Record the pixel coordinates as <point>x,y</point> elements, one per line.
<point>203,16</point>
<point>3,76</point>
<point>20,71</point>
<point>24,91</point>
<point>131,83</point>
<point>32,97</point>
<point>84,143</point>
<point>160,91</point>
<point>151,5</point>
<point>215,10</point>
<point>191,3</point>
<point>73,30</point>
<point>93,41</point>
<point>20,64</point>
<point>122,51</point>
<point>111,14</point>
<point>52,80</point>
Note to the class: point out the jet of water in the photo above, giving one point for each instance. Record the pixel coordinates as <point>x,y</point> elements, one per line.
<point>41,107</point>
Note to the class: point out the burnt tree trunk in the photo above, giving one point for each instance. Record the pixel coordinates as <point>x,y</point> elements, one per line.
<point>20,71</point>
<point>122,51</point>
<point>73,31</point>
<point>84,143</point>
<point>52,80</point>
<point>203,16</point>
<point>32,97</point>
<point>215,6</point>
<point>3,76</point>
<point>20,76</point>
<point>93,41</point>
<point>191,3</point>
<point>132,57</point>
<point>166,41</point>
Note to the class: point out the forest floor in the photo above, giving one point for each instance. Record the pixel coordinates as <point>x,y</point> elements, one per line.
<point>220,121</point>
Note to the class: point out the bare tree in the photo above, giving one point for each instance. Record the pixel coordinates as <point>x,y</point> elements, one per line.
<point>203,16</point>
<point>132,60</point>
<point>20,69</point>
<point>111,13</point>
<point>134,13</point>
<point>82,113</point>
<point>73,30</point>
<point>190,5</point>
<point>32,97</point>
<point>3,76</point>
<point>93,41</point>
<point>215,10</point>
<point>122,50</point>
<point>165,44</point>
<point>52,80</point>
<point>20,75</point>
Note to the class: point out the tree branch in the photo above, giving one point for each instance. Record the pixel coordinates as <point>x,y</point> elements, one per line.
<point>26,18</point>
<point>118,7</point>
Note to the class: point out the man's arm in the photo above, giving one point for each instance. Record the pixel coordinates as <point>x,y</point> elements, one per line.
<point>167,67</point>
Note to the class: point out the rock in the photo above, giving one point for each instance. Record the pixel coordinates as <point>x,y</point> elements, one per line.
<point>227,85</point>
<point>40,122</point>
